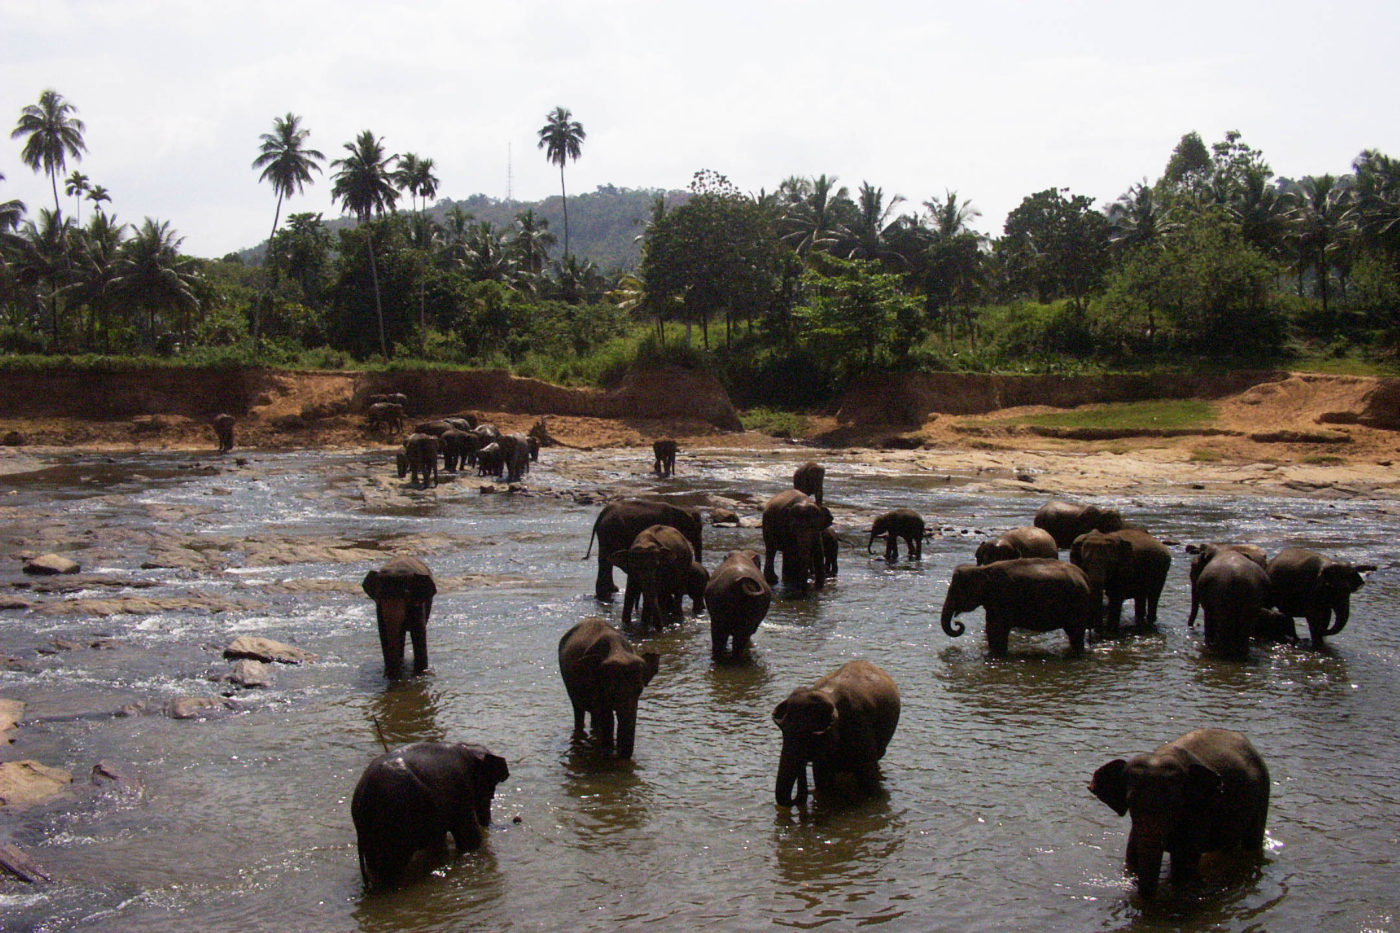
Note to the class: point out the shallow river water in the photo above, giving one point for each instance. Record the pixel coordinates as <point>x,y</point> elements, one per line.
<point>242,821</point>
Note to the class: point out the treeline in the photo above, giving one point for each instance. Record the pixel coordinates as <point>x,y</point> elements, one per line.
<point>787,293</point>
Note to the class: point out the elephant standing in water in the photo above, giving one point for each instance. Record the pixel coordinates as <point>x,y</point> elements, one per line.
<point>1028,541</point>
<point>1127,564</point>
<point>1029,592</point>
<point>1205,553</point>
<point>664,452</point>
<point>899,523</point>
<point>1233,591</point>
<point>408,799</point>
<point>403,591</point>
<point>1207,791</point>
<point>1304,583</point>
<point>738,599</point>
<point>619,523</point>
<point>792,524</point>
<point>223,430</point>
<point>810,478</point>
<point>420,458</point>
<point>842,723</point>
<point>1067,520</point>
<point>604,676</point>
<point>659,566</point>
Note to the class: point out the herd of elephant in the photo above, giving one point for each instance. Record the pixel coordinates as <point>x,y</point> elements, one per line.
<point>1205,791</point>
<point>462,442</point>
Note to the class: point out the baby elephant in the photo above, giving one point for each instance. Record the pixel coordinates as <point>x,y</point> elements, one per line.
<point>403,591</point>
<point>900,523</point>
<point>223,429</point>
<point>1207,791</point>
<point>738,598</point>
<point>664,452</point>
<point>409,799</point>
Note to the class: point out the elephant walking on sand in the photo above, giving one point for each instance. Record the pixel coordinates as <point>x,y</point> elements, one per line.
<point>738,599</point>
<point>409,799</point>
<point>792,524</point>
<point>604,676</point>
<point>1304,583</point>
<point>1029,592</point>
<point>1207,791</point>
<point>223,431</point>
<point>841,724</point>
<point>899,523</point>
<point>403,591</point>
<point>664,452</point>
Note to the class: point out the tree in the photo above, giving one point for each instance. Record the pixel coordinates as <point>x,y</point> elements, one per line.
<point>287,164</point>
<point>415,175</point>
<point>850,302</point>
<point>54,133</point>
<point>1055,244</point>
<point>302,251</point>
<point>11,213</point>
<point>867,233</point>
<point>951,217</point>
<point>97,196</point>
<point>1189,162</point>
<point>364,186</point>
<point>75,186</point>
<point>562,138</point>
<point>531,246</point>
<point>151,275</point>
<point>1317,213</point>
<point>815,212</point>
<point>95,252</point>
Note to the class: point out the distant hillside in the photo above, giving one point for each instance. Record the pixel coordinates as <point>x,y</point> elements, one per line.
<point>603,224</point>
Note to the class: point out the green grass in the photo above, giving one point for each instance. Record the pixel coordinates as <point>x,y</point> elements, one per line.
<point>1130,416</point>
<point>774,422</point>
<point>1206,455</point>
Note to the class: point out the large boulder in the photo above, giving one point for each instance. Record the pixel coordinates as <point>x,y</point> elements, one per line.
<point>27,783</point>
<point>196,707</point>
<point>249,673</point>
<point>266,650</point>
<point>49,564</point>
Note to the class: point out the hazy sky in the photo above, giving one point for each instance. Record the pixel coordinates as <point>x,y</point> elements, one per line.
<point>994,100</point>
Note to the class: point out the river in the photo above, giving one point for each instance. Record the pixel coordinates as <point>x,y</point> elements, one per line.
<point>242,821</point>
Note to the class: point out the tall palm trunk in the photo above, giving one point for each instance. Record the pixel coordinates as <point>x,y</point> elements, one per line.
<point>378,305</point>
<point>267,277</point>
<point>565,198</point>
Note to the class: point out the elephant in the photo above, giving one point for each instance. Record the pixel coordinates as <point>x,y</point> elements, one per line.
<point>696,579</point>
<point>831,550</point>
<point>1207,791</point>
<point>658,565</point>
<point>490,460</point>
<point>604,676</point>
<point>488,432</point>
<point>1120,565</point>
<point>387,416</point>
<point>1304,583</point>
<point>1233,591</point>
<point>403,591</point>
<point>1066,521</point>
<point>515,456</point>
<point>435,428</point>
<point>420,458</point>
<point>738,598</point>
<point>533,444</point>
<point>665,453</point>
<point>619,523</point>
<point>409,799</point>
<point>899,523</point>
<point>809,478</point>
<point>463,422</point>
<point>1205,553</point>
<point>1027,541</point>
<point>841,724</point>
<point>793,524</point>
<point>454,448</point>
<point>223,431</point>
<point>1029,592</point>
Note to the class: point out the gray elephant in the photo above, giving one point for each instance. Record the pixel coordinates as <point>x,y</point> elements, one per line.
<point>1120,565</point>
<point>1304,583</point>
<point>696,579</point>
<point>435,428</point>
<point>1027,541</point>
<point>793,524</point>
<point>841,724</point>
<point>490,460</point>
<point>896,524</point>
<point>409,799</point>
<point>1067,520</point>
<point>604,676</point>
<point>831,550</point>
<point>1233,591</point>
<point>619,523</point>
<point>658,566</point>
<point>515,455</point>
<point>454,444</point>
<point>386,416</point>
<point>738,599</point>
<point>664,452</point>
<point>1205,553</point>
<point>810,478</point>
<point>1030,592</point>
<point>1207,791</point>
<point>403,591</point>
<point>223,432</point>
<point>420,458</point>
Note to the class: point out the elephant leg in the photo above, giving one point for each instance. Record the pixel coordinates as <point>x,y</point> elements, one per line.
<point>998,635</point>
<point>1317,628</point>
<point>391,636</point>
<point>578,719</point>
<point>891,547</point>
<point>604,587</point>
<point>1185,865</point>
<point>629,602</point>
<point>916,548</point>
<point>769,554</point>
<point>868,777</point>
<point>1076,638</point>
<point>418,631</point>
<point>466,833</point>
<point>718,641</point>
<point>603,727</point>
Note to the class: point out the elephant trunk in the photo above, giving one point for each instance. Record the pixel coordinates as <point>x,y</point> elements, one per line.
<point>626,732</point>
<point>868,546</point>
<point>1343,611</point>
<point>792,769</point>
<point>1195,605</point>
<point>951,626</point>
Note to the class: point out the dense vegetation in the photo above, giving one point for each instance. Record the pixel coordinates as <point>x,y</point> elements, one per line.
<point>787,294</point>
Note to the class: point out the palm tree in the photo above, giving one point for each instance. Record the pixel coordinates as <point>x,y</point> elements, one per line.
<point>1137,219</point>
<point>10,213</point>
<point>488,259</point>
<point>415,175</point>
<point>813,217</point>
<point>364,186</point>
<point>75,186</point>
<point>1317,212</point>
<point>152,275</point>
<point>287,163</point>
<point>868,231</point>
<point>54,134</point>
<point>97,247</point>
<point>561,138</point>
<point>97,195</point>
<point>950,216</point>
<point>532,242</point>
<point>41,261</point>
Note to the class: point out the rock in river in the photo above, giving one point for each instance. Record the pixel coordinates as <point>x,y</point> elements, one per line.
<point>48,564</point>
<point>265,649</point>
<point>26,783</point>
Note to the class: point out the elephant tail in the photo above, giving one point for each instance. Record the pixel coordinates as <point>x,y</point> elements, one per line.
<point>593,534</point>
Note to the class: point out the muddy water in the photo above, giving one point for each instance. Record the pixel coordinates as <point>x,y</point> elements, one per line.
<point>242,821</point>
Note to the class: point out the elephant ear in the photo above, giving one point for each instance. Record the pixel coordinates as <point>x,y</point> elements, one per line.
<point>422,587</point>
<point>827,518</point>
<point>1076,550</point>
<point>653,664</point>
<point>1110,784</point>
<point>1202,783</point>
<point>370,584</point>
<point>622,560</point>
<point>780,713</point>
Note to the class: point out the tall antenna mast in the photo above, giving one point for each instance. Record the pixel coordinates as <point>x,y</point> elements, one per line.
<point>510,173</point>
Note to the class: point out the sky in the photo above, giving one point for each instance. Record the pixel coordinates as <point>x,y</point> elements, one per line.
<point>993,100</point>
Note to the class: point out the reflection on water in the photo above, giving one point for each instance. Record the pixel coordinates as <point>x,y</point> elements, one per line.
<point>984,822</point>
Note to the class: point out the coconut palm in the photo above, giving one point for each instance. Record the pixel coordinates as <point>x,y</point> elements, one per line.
<point>286,161</point>
<point>54,133</point>
<point>866,234</point>
<point>96,249</point>
<point>151,275</point>
<point>415,175</point>
<point>1317,211</point>
<point>75,186</point>
<point>532,242</point>
<point>11,212</point>
<point>814,214</point>
<point>1137,218</point>
<point>562,138</point>
<point>40,262</point>
<point>364,186</point>
<point>951,216</point>
<point>97,195</point>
